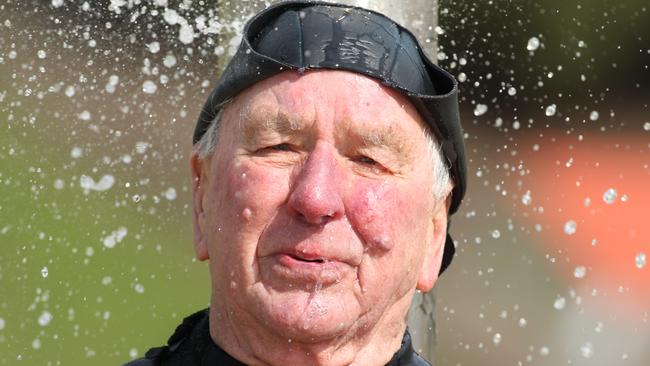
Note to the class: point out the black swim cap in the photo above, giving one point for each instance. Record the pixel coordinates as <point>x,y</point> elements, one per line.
<point>306,35</point>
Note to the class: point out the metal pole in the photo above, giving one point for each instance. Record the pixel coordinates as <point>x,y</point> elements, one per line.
<point>421,17</point>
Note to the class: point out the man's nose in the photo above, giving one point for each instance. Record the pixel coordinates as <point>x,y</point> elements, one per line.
<point>316,192</point>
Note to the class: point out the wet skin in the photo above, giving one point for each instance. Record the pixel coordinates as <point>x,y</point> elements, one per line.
<point>317,215</point>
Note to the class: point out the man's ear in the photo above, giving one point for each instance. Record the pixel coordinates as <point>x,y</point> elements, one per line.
<point>198,168</point>
<point>435,249</point>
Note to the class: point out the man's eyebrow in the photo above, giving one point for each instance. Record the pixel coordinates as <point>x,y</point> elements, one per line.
<point>264,119</point>
<point>384,137</point>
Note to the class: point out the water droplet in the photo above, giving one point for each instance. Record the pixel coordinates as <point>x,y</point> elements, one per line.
<point>496,234</point>
<point>526,199</point>
<point>559,303</point>
<point>36,343</point>
<point>169,60</point>
<point>533,44</point>
<point>570,227</point>
<point>76,152</point>
<point>550,110</point>
<point>104,184</point>
<point>522,322</point>
<point>139,288</point>
<point>569,163</point>
<point>587,350</point>
<point>115,237</point>
<point>640,260</point>
<point>512,91</point>
<point>2,324</point>
<point>45,318</point>
<point>599,327</point>
<point>496,339</point>
<point>57,3</point>
<point>84,116</point>
<point>154,47</point>
<point>141,147</point>
<point>580,272</point>
<point>133,353</point>
<point>610,196</point>
<point>59,184</point>
<point>70,91</point>
<point>41,54</point>
<point>149,87</point>
<point>594,115</point>
<point>247,213</point>
<point>186,33</point>
<point>646,126</point>
<point>544,351</point>
<point>136,198</point>
<point>44,272</point>
<point>170,194</point>
<point>480,109</point>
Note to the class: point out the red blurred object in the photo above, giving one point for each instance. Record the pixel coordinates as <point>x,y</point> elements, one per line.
<point>569,178</point>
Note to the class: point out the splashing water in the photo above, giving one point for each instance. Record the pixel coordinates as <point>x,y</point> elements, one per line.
<point>570,227</point>
<point>104,184</point>
<point>550,110</point>
<point>45,318</point>
<point>533,44</point>
<point>580,272</point>
<point>610,196</point>
<point>640,260</point>
<point>115,237</point>
<point>587,350</point>
<point>496,339</point>
<point>480,109</point>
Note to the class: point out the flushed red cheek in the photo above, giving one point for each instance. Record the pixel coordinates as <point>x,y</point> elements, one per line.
<point>376,212</point>
<point>250,189</point>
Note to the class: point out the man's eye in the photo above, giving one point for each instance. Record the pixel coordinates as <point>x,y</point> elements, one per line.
<point>366,160</point>
<point>278,147</point>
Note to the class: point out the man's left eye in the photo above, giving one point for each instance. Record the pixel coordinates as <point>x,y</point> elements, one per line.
<point>366,160</point>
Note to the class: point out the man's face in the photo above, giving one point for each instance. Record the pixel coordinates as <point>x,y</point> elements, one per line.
<point>316,209</point>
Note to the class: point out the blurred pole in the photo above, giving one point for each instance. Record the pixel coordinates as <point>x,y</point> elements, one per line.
<point>421,17</point>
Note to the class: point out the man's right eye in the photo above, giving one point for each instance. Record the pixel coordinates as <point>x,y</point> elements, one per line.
<point>274,148</point>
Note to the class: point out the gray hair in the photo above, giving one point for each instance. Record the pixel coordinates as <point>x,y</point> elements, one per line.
<point>441,185</point>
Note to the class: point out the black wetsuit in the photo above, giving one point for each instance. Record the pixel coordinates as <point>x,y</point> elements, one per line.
<point>191,345</point>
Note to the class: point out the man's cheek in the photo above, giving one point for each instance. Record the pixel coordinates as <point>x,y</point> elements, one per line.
<point>376,213</point>
<point>254,192</point>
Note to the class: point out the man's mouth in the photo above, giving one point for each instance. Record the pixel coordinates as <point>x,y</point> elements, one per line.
<point>316,260</point>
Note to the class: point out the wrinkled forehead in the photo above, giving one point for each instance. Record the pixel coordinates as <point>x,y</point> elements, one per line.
<point>344,96</point>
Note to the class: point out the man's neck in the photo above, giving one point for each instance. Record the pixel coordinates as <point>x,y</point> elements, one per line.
<point>374,346</point>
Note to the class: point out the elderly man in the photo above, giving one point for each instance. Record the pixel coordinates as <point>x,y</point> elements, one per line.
<point>326,162</point>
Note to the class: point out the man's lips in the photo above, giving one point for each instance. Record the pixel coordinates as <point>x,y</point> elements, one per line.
<point>292,260</point>
<point>306,267</point>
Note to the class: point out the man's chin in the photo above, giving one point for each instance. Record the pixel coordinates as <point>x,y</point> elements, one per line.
<point>310,317</point>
